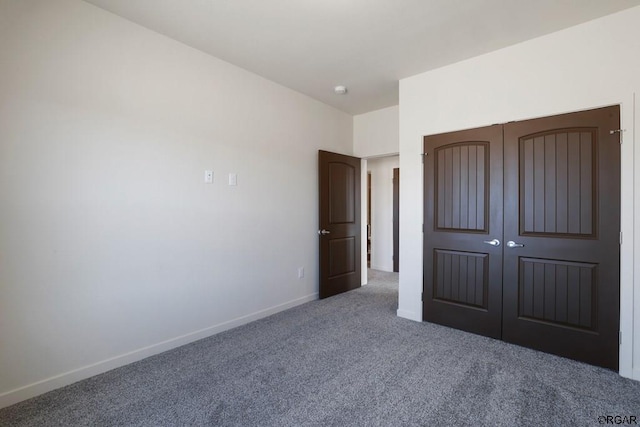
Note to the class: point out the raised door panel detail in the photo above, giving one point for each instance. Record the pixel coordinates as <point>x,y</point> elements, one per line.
<point>559,292</point>
<point>342,178</point>
<point>460,277</point>
<point>558,196</point>
<point>342,258</point>
<point>462,187</point>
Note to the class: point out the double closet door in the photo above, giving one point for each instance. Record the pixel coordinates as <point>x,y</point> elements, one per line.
<point>522,229</point>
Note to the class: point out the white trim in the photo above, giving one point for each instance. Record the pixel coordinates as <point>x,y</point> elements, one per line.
<point>628,186</point>
<point>31,390</point>
<point>364,200</point>
<point>411,315</point>
<point>384,268</point>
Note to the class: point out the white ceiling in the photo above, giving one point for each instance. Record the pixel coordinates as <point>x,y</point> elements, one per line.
<point>368,45</point>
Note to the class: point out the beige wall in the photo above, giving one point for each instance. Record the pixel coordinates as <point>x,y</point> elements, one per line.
<point>111,246</point>
<point>376,133</point>
<point>591,65</point>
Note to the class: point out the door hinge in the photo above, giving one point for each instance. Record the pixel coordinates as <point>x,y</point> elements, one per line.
<point>621,237</point>
<point>423,227</point>
<point>619,131</point>
<point>620,337</point>
<point>422,296</point>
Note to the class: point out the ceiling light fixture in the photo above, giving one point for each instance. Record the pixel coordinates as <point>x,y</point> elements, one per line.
<point>340,90</point>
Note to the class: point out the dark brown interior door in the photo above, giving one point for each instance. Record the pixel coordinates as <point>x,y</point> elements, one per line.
<point>463,230</point>
<point>339,233</point>
<point>562,213</point>
<point>396,220</point>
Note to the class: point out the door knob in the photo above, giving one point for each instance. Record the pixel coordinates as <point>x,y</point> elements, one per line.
<point>494,242</point>
<point>512,244</point>
<point>323,232</point>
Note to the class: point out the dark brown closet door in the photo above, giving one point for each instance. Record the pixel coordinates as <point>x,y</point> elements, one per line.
<point>463,230</point>
<point>562,213</point>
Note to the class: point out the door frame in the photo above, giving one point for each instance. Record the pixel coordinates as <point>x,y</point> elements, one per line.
<point>396,219</point>
<point>363,193</point>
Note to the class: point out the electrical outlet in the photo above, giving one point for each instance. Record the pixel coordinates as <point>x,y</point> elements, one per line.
<point>208,177</point>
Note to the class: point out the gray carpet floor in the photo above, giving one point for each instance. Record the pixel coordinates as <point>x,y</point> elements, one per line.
<point>343,361</point>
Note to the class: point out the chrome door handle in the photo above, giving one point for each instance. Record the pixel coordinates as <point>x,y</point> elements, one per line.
<point>494,242</point>
<point>323,232</point>
<point>512,244</point>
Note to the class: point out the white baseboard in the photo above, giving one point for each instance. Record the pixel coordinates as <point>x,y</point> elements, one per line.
<point>32,390</point>
<point>636,374</point>
<point>409,315</point>
<point>382,268</point>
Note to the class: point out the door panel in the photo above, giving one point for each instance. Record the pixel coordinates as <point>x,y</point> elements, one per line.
<point>339,188</point>
<point>562,202</point>
<point>559,292</point>
<point>462,273</point>
<point>461,186</point>
<point>342,193</point>
<point>460,278</point>
<point>557,180</point>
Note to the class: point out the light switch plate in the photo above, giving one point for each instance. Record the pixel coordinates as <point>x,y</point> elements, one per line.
<point>233,179</point>
<point>208,177</point>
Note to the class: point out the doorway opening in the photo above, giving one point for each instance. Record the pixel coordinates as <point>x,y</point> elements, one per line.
<point>382,213</point>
